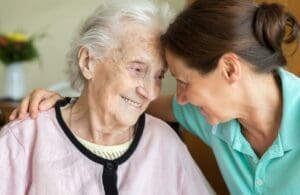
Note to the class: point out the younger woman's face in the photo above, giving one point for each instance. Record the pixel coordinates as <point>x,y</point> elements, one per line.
<point>209,92</point>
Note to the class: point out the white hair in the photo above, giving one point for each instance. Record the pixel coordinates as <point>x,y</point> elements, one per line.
<point>96,33</point>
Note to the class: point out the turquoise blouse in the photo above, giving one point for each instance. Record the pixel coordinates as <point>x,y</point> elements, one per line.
<point>277,171</point>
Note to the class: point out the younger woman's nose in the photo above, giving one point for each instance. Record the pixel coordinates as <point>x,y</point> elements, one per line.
<point>181,97</point>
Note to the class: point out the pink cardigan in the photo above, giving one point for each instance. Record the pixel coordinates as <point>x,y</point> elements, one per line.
<point>41,157</point>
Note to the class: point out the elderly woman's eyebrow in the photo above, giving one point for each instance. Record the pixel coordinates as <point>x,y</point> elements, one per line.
<point>143,62</point>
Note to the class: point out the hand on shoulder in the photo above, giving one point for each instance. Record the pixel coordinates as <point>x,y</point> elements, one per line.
<point>38,100</point>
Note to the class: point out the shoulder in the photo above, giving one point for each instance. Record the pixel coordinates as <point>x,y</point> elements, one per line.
<point>192,120</point>
<point>28,122</point>
<point>160,129</point>
<point>156,122</point>
<point>24,130</point>
<point>290,87</point>
<point>189,116</point>
<point>160,139</point>
<point>288,79</point>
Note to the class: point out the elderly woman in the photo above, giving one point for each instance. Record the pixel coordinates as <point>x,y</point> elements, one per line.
<point>102,143</point>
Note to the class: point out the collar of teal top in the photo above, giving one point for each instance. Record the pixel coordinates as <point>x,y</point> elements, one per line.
<point>290,122</point>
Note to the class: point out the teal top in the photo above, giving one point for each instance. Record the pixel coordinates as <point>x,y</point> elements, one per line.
<point>277,171</point>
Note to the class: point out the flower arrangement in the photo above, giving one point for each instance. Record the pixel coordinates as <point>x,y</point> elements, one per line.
<point>17,47</point>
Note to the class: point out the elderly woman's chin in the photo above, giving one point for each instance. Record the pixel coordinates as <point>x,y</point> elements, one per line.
<point>131,111</point>
<point>127,114</point>
<point>129,118</point>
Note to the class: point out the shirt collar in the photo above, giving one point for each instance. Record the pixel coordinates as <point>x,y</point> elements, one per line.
<point>290,123</point>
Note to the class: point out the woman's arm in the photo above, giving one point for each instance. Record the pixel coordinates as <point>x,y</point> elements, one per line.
<point>162,108</point>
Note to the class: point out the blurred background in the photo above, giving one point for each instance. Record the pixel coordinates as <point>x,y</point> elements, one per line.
<point>58,20</point>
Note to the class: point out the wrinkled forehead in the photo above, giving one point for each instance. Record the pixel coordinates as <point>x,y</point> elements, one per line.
<point>140,42</point>
<point>141,35</point>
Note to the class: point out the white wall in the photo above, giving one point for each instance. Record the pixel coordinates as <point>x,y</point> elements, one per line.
<point>58,19</point>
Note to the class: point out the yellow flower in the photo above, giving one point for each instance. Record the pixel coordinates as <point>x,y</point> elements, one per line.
<point>17,37</point>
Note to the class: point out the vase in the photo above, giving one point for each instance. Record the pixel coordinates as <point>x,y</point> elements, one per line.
<point>14,81</point>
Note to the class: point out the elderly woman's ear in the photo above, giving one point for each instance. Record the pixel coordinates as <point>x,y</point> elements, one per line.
<point>86,63</point>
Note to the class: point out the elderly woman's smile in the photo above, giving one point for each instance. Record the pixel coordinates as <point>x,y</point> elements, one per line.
<point>131,102</point>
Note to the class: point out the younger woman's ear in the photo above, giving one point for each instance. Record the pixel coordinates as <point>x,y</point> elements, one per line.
<point>85,63</point>
<point>231,67</point>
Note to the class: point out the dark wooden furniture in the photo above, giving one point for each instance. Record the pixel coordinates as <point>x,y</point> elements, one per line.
<point>205,159</point>
<point>6,107</point>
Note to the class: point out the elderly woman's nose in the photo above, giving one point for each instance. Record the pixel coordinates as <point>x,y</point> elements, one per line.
<point>149,90</point>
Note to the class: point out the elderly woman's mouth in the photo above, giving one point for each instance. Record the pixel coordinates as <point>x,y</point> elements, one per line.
<point>131,102</point>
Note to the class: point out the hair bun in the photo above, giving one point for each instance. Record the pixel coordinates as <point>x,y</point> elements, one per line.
<point>271,24</point>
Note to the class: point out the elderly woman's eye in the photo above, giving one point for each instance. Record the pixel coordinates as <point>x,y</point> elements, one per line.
<point>136,69</point>
<point>161,76</point>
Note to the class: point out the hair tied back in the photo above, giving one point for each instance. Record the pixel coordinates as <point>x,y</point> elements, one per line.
<point>273,26</point>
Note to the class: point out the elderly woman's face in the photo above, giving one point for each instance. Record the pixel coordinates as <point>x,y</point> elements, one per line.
<point>129,77</point>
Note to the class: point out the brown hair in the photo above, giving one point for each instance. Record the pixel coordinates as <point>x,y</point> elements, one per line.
<point>207,29</point>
